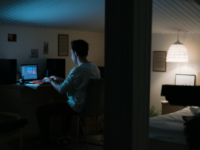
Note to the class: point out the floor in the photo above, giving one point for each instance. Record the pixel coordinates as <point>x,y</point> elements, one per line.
<point>75,145</point>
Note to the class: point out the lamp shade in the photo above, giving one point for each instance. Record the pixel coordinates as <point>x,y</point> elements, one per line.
<point>177,53</point>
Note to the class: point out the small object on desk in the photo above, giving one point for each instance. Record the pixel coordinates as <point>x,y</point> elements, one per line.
<point>33,86</point>
<point>17,77</point>
<point>21,81</point>
<point>37,82</point>
<point>164,101</point>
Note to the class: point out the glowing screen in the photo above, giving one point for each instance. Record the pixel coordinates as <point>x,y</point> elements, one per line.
<point>29,72</point>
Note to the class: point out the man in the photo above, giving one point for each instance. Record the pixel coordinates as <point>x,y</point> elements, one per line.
<point>74,86</point>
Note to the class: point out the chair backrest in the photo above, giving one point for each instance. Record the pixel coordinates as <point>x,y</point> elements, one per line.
<point>94,102</point>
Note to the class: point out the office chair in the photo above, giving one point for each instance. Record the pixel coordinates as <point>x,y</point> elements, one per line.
<point>11,126</point>
<point>94,102</point>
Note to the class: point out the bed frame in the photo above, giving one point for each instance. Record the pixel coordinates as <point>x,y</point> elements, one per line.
<point>161,145</point>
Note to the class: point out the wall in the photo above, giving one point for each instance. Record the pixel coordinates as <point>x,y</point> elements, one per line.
<point>162,42</point>
<point>33,38</point>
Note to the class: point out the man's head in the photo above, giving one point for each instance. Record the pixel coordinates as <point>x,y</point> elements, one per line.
<point>79,48</point>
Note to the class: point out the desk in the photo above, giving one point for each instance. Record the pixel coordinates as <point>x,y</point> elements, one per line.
<point>24,101</point>
<point>167,108</point>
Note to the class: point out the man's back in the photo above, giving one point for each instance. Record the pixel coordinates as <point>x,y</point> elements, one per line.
<point>75,85</point>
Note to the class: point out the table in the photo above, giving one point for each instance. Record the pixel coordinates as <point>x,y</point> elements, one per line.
<point>24,101</point>
<point>167,108</point>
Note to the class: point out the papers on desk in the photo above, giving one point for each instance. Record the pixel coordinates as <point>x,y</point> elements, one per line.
<point>33,86</point>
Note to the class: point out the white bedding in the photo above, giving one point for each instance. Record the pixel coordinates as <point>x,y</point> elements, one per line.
<point>170,127</point>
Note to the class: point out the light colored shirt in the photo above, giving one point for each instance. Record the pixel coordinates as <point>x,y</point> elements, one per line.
<point>76,83</point>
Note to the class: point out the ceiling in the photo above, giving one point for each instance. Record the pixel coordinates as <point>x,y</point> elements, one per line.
<point>69,14</point>
<point>169,16</point>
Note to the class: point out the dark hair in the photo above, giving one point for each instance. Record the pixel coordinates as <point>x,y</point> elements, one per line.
<point>81,47</point>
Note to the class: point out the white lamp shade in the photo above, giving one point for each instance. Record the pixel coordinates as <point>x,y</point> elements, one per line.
<point>177,53</point>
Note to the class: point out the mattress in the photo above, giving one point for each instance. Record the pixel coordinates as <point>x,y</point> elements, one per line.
<point>170,127</point>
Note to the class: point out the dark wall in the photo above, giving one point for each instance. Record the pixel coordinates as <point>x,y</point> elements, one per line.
<point>102,72</point>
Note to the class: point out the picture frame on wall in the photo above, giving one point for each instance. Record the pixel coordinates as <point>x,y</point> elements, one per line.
<point>45,47</point>
<point>185,79</point>
<point>159,61</point>
<point>12,37</point>
<point>33,53</point>
<point>63,44</point>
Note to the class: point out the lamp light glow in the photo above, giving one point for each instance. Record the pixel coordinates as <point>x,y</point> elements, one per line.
<point>177,53</point>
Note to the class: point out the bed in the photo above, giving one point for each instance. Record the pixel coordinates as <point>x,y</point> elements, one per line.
<point>166,132</point>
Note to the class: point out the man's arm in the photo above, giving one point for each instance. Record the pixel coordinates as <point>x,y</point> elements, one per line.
<point>55,85</point>
<point>57,78</point>
<point>67,84</point>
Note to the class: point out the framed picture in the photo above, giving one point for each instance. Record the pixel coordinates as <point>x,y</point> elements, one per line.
<point>12,37</point>
<point>33,53</point>
<point>45,47</point>
<point>63,40</point>
<point>185,79</point>
<point>159,61</point>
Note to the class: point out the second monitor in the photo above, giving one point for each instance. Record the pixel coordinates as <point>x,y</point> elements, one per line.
<point>55,67</point>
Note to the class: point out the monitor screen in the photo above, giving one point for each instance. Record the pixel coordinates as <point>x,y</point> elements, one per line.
<point>29,72</point>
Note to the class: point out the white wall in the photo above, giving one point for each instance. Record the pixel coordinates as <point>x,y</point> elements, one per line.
<point>161,42</point>
<point>33,38</point>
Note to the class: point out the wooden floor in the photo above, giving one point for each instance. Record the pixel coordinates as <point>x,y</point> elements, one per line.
<point>75,145</point>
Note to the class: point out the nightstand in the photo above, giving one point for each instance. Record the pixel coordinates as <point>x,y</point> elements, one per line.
<point>167,108</point>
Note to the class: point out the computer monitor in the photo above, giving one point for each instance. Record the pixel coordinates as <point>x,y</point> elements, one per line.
<point>56,67</point>
<point>29,72</point>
